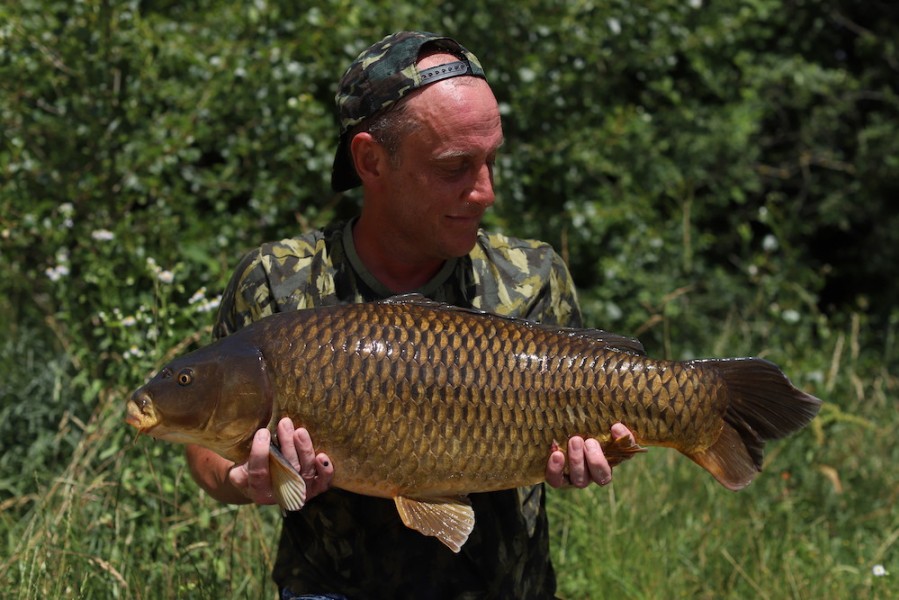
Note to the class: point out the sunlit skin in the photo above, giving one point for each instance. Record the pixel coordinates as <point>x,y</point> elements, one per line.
<point>419,210</point>
<point>426,206</point>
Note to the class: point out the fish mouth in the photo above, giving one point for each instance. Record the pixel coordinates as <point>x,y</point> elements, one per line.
<point>140,412</point>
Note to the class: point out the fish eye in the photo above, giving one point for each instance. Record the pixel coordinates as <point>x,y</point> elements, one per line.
<point>185,377</point>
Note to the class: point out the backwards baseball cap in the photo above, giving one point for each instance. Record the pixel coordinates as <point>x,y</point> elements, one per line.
<point>380,77</point>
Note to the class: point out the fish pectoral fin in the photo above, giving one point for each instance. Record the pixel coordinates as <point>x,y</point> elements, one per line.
<point>449,519</point>
<point>288,485</point>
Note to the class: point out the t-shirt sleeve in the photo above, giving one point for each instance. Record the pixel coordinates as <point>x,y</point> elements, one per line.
<point>524,278</point>
<point>247,298</point>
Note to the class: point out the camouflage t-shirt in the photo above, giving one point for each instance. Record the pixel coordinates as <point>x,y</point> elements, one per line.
<point>357,545</point>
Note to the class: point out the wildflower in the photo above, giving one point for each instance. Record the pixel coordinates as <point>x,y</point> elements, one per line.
<point>165,276</point>
<point>56,273</point>
<point>879,571</point>
<point>199,295</point>
<point>791,316</point>
<point>209,305</point>
<point>614,25</point>
<point>129,321</point>
<point>103,235</point>
<point>133,352</point>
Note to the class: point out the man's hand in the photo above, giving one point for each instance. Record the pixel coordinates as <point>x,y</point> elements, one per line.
<point>253,478</point>
<point>586,461</point>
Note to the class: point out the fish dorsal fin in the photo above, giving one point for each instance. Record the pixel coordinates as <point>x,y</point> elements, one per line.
<point>603,339</point>
<point>288,485</point>
<point>450,520</point>
<point>416,299</point>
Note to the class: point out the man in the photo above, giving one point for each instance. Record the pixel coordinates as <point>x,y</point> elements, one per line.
<point>420,129</point>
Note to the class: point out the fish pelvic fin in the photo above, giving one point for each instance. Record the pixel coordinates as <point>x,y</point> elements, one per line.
<point>763,405</point>
<point>621,449</point>
<point>288,486</point>
<point>449,519</point>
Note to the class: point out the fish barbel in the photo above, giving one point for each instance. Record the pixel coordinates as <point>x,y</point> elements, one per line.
<point>409,398</point>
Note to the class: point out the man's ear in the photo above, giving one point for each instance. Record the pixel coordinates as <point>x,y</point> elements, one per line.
<point>369,157</point>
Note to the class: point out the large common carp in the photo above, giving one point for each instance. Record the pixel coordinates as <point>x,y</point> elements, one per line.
<point>423,402</point>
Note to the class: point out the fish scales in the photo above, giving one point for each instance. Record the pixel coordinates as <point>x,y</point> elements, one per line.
<point>424,402</point>
<point>509,378</point>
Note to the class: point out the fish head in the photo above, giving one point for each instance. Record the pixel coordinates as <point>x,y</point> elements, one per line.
<point>217,397</point>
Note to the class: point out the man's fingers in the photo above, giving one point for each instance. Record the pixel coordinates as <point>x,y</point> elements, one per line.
<point>259,485</point>
<point>577,471</point>
<point>285,436</point>
<point>555,469</point>
<point>324,471</point>
<point>619,430</point>
<point>302,444</point>
<point>240,478</point>
<point>597,465</point>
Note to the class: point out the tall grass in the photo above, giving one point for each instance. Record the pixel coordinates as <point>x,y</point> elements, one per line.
<point>115,518</point>
<point>814,524</point>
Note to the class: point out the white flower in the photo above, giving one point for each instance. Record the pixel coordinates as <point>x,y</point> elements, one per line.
<point>199,295</point>
<point>791,316</point>
<point>129,321</point>
<point>209,305</point>
<point>165,276</point>
<point>879,571</point>
<point>614,25</point>
<point>56,273</point>
<point>103,235</point>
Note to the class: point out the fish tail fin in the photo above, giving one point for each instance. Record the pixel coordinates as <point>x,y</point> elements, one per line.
<point>763,405</point>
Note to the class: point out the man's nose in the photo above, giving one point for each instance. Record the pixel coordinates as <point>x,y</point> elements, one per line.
<point>482,190</point>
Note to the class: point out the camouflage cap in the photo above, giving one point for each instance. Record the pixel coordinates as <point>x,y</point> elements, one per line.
<point>381,76</point>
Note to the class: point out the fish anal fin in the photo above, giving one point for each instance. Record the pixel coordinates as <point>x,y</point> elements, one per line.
<point>449,519</point>
<point>728,460</point>
<point>621,449</point>
<point>288,486</point>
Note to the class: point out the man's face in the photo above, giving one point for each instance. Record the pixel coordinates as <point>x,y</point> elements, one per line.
<point>442,179</point>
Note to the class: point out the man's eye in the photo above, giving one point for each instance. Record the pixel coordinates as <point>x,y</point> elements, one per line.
<point>454,168</point>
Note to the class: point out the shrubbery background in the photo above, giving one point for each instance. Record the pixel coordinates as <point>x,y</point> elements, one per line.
<point>721,177</point>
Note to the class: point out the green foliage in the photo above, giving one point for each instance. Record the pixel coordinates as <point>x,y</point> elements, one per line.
<point>719,177</point>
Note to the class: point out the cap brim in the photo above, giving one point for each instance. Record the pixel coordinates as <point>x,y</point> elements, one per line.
<point>343,173</point>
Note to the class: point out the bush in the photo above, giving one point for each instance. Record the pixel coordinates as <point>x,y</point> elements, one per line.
<point>719,178</point>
